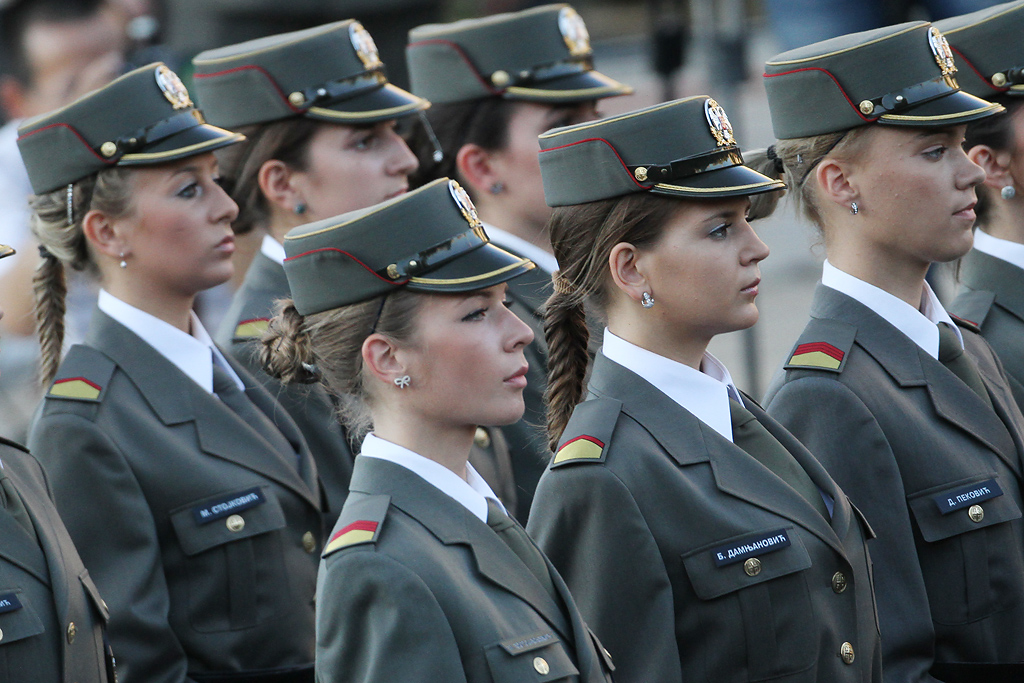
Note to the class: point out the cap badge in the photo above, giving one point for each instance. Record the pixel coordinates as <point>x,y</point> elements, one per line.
<point>466,206</point>
<point>364,46</point>
<point>172,87</point>
<point>943,55</point>
<point>721,129</point>
<point>574,31</point>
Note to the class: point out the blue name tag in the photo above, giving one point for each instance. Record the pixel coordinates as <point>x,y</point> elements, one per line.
<point>962,497</point>
<point>758,544</point>
<point>229,505</point>
<point>9,602</point>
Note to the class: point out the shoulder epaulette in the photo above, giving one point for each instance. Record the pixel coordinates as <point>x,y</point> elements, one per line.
<point>970,308</point>
<point>588,433</point>
<point>360,522</point>
<point>823,345</point>
<point>83,375</point>
<point>251,328</point>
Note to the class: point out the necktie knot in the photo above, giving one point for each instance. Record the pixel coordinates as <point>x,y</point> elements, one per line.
<point>950,347</point>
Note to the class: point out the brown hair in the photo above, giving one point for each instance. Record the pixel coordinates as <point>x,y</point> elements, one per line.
<point>583,236</point>
<point>995,132</point>
<point>327,347</point>
<point>64,244</point>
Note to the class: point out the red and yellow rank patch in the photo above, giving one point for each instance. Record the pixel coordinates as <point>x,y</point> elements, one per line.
<point>254,327</point>
<point>76,387</point>
<point>581,448</point>
<point>816,355</point>
<point>361,531</point>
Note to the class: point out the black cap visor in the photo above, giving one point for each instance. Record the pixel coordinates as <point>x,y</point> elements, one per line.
<point>380,104</point>
<point>949,110</point>
<point>481,268</point>
<point>724,182</point>
<point>195,140</point>
<point>577,87</point>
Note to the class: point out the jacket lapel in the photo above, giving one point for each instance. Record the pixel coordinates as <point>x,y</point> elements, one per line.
<point>453,524</point>
<point>983,271</point>
<point>20,548</point>
<point>689,441</point>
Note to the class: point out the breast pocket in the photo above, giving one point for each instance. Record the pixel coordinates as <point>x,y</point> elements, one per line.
<point>754,604</point>
<point>971,555</point>
<point>539,656</point>
<point>17,618</point>
<point>234,558</point>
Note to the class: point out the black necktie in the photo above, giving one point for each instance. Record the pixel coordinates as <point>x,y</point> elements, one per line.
<point>758,442</point>
<point>16,506</point>
<point>951,354</point>
<point>234,398</point>
<point>516,538</point>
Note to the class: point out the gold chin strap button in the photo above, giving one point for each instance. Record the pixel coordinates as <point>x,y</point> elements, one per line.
<point>540,665</point>
<point>999,79</point>
<point>846,652</point>
<point>640,173</point>
<point>866,107</point>
<point>297,99</point>
<point>500,78</point>
<point>108,149</point>
<point>235,523</point>
<point>976,513</point>
<point>752,567</point>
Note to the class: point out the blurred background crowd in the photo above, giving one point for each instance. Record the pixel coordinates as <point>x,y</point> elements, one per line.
<point>52,51</point>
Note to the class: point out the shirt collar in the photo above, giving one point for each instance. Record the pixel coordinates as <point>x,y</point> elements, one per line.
<point>1011,252</point>
<point>273,250</point>
<point>919,324</point>
<point>705,393</point>
<point>193,354</point>
<point>521,247</point>
<point>472,493</point>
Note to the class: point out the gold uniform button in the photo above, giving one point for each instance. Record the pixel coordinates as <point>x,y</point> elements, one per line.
<point>482,438</point>
<point>108,149</point>
<point>999,79</point>
<point>866,106</point>
<point>297,99</point>
<point>752,566</point>
<point>846,652</point>
<point>541,666</point>
<point>640,173</point>
<point>976,513</point>
<point>72,632</point>
<point>308,542</point>
<point>838,582</point>
<point>500,78</point>
<point>235,523</point>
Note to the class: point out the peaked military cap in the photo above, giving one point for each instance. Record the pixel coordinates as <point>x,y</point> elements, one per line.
<point>683,148</point>
<point>989,46</point>
<point>144,117</point>
<point>541,54</point>
<point>901,75</point>
<point>330,72</point>
<point>428,240</point>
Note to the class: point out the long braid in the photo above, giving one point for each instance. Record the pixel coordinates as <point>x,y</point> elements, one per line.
<point>49,285</point>
<point>567,334</point>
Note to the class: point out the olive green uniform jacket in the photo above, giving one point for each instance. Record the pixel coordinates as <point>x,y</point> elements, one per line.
<point>992,297</point>
<point>201,536</point>
<point>642,532</point>
<point>51,615</point>
<point>902,435</point>
<point>311,407</point>
<point>430,593</point>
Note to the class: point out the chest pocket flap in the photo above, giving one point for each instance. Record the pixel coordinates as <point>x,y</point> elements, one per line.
<point>538,656</point>
<point>734,563</point>
<point>227,517</point>
<point>17,619</point>
<point>958,507</point>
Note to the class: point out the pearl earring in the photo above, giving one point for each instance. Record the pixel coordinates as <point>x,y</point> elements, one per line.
<point>123,263</point>
<point>402,382</point>
<point>1008,192</point>
<point>647,300</point>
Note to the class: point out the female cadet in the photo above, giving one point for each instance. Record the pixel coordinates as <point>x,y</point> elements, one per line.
<point>908,410</point>
<point>491,97</point>
<point>992,273</point>
<point>45,592</point>
<point>319,116</point>
<point>702,541</point>
<point>402,309</point>
<point>190,494</point>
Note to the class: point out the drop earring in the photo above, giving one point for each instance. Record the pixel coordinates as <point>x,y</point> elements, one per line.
<point>123,263</point>
<point>646,300</point>
<point>854,209</point>
<point>402,382</point>
<point>1008,192</point>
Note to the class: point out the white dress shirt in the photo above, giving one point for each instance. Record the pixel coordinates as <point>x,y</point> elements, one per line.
<point>273,250</point>
<point>193,354</point>
<point>521,247</point>
<point>472,492</point>
<point>920,324</point>
<point>1011,252</point>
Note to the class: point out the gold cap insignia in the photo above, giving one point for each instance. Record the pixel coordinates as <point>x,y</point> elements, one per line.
<point>943,55</point>
<point>721,129</point>
<point>172,88</point>
<point>999,79</point>
<point>297,99</point>
<point>574,31</point>
<point>466,206</point>
<point>640,172</point>
<point>108,148</point>
<point>364,46</point>
<point>866,106</point>
<point>500,78</point>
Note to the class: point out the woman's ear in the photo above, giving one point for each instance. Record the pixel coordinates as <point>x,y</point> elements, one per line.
<point>102,234</point>
<point>381,359</point>
<point>836,182</point>
<point>475,166</point>
<point>996,165</point>
<point>625,264</point>
<point>275,181</point>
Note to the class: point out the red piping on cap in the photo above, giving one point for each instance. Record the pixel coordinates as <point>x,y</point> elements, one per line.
<point>341,251</point>
<point>642,187</point>
<point>77,135</point>
<point>462,55</point>
<point>855,108</point>
<point>297,110</point>
<point>983,78</point>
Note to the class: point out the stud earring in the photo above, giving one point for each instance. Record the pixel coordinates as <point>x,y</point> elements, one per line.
<point>300,208</point>
<point>402,382</point>
<point>1008,192</point>
<point>123,263</point>
<point>498,187</point>
<point>854,209</point>
<point>646,300</point>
